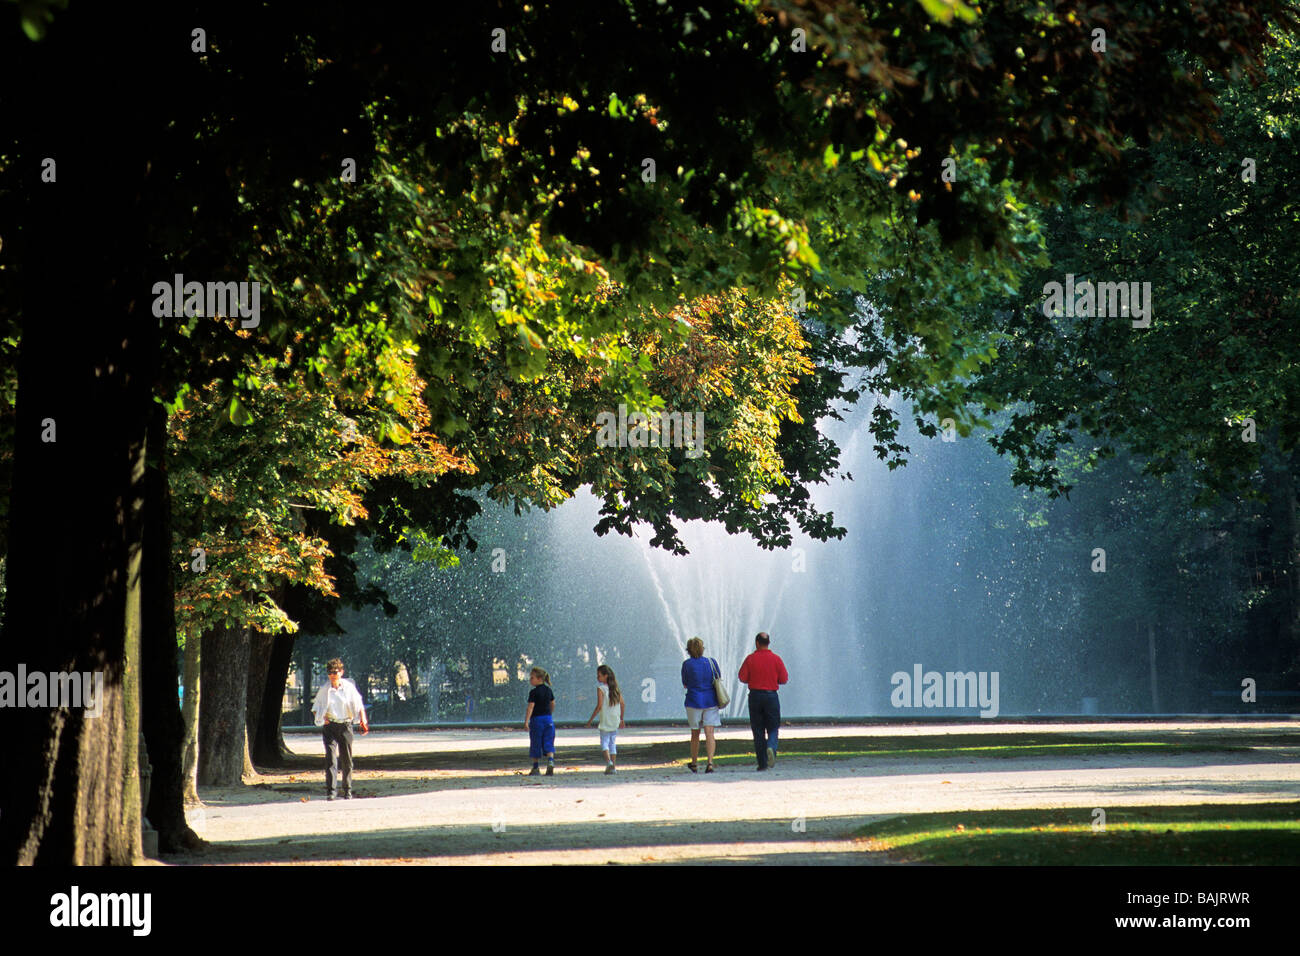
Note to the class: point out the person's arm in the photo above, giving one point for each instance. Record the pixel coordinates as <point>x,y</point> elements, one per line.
<point>622,709</point>
<point>685,686</point>
<point>600,702</point>
<point>552,710</point>
<point>319,704</point>
<point>528,714</point>
<point>360,706</point>
<point>744,671</point>
<point>782,675</point>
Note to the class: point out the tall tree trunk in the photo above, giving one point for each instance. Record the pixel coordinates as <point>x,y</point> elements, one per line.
<point>69,784</point>
<point>269,748</point>
<point>190,712</point>
<point>259,662</point>
<point>222,724</point>
<point>164,728</point>
<point>307,691</point>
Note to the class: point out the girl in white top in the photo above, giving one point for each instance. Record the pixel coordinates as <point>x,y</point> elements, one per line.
<point>611,708</point>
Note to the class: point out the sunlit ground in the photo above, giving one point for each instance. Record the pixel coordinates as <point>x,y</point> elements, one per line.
<point>462,796</point>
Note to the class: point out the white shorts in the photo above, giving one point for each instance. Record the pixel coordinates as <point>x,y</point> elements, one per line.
<point>710,716</point>
<point>607,741</point>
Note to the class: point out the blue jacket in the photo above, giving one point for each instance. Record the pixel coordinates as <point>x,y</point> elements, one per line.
<point>697,678</point>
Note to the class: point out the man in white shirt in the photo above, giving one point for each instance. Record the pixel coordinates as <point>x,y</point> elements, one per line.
<point>337,705</point>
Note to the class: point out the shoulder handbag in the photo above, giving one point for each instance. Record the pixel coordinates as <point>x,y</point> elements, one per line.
<point>723,697</point>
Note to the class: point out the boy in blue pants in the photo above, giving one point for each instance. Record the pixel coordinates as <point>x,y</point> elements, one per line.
<point>540,723</point>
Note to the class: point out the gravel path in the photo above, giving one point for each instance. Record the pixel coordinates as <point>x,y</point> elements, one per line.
<point>468,800</point>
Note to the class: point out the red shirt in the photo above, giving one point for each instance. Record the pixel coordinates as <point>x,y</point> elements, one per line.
<point>763,670</point>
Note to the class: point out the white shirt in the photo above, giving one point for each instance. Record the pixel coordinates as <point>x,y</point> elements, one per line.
<point>342,703</point>
<point>611,715</point>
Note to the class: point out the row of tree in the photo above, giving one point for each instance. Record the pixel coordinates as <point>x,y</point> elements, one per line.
<point>469,236</point>
<point>1171,522</point>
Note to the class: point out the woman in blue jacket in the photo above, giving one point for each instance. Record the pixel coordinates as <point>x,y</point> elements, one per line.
<point>702,709</point>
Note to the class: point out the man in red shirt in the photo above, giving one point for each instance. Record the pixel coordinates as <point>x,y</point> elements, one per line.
<point>763,671</point>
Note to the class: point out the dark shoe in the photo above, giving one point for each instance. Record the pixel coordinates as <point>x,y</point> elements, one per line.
<point>609,768</point>
<point>762,768</point>
<point>771,757</point>
<point>534,772</point>
<point>348,795</point>
<point>550,771</point>
<point>709,769</point>
<point>329,796</point>
<point>692,767</point>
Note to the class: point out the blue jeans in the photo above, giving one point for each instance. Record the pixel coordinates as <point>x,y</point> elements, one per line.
<point>541,736</point>
<point>764,721</point>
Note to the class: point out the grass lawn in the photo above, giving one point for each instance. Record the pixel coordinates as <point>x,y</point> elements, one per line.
<point>974,746</point>
<point>1257,834</point>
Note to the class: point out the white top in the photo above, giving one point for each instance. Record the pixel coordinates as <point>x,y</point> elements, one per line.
<point>611,715</point>
<point>342,703</point>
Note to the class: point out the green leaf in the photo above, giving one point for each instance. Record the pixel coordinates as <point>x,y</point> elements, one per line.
<point>239,415</point>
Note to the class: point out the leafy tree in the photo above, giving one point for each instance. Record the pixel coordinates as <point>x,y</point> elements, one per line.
<point>1205,396</point>
<point>239,491</point>
<point>204,170</point>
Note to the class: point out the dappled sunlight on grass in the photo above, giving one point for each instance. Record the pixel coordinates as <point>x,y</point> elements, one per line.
<point>1265,834</point>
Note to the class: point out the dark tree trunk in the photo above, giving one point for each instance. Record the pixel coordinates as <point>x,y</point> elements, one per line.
<point>69,784</point>
<point>88,361</point>
<point>307,690</point>
<point>259,661</point>
<point>164,728</point>
<point>266,703</point>
<point>222,713</point>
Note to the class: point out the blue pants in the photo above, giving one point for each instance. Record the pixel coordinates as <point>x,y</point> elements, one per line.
<point>541,736</point>
<point>764,721</point>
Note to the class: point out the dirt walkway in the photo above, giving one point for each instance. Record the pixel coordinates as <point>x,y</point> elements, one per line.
<point>463,796</point>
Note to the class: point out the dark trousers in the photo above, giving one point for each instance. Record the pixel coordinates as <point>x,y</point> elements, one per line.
<point>338,756</point>
<point>764,721</point>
